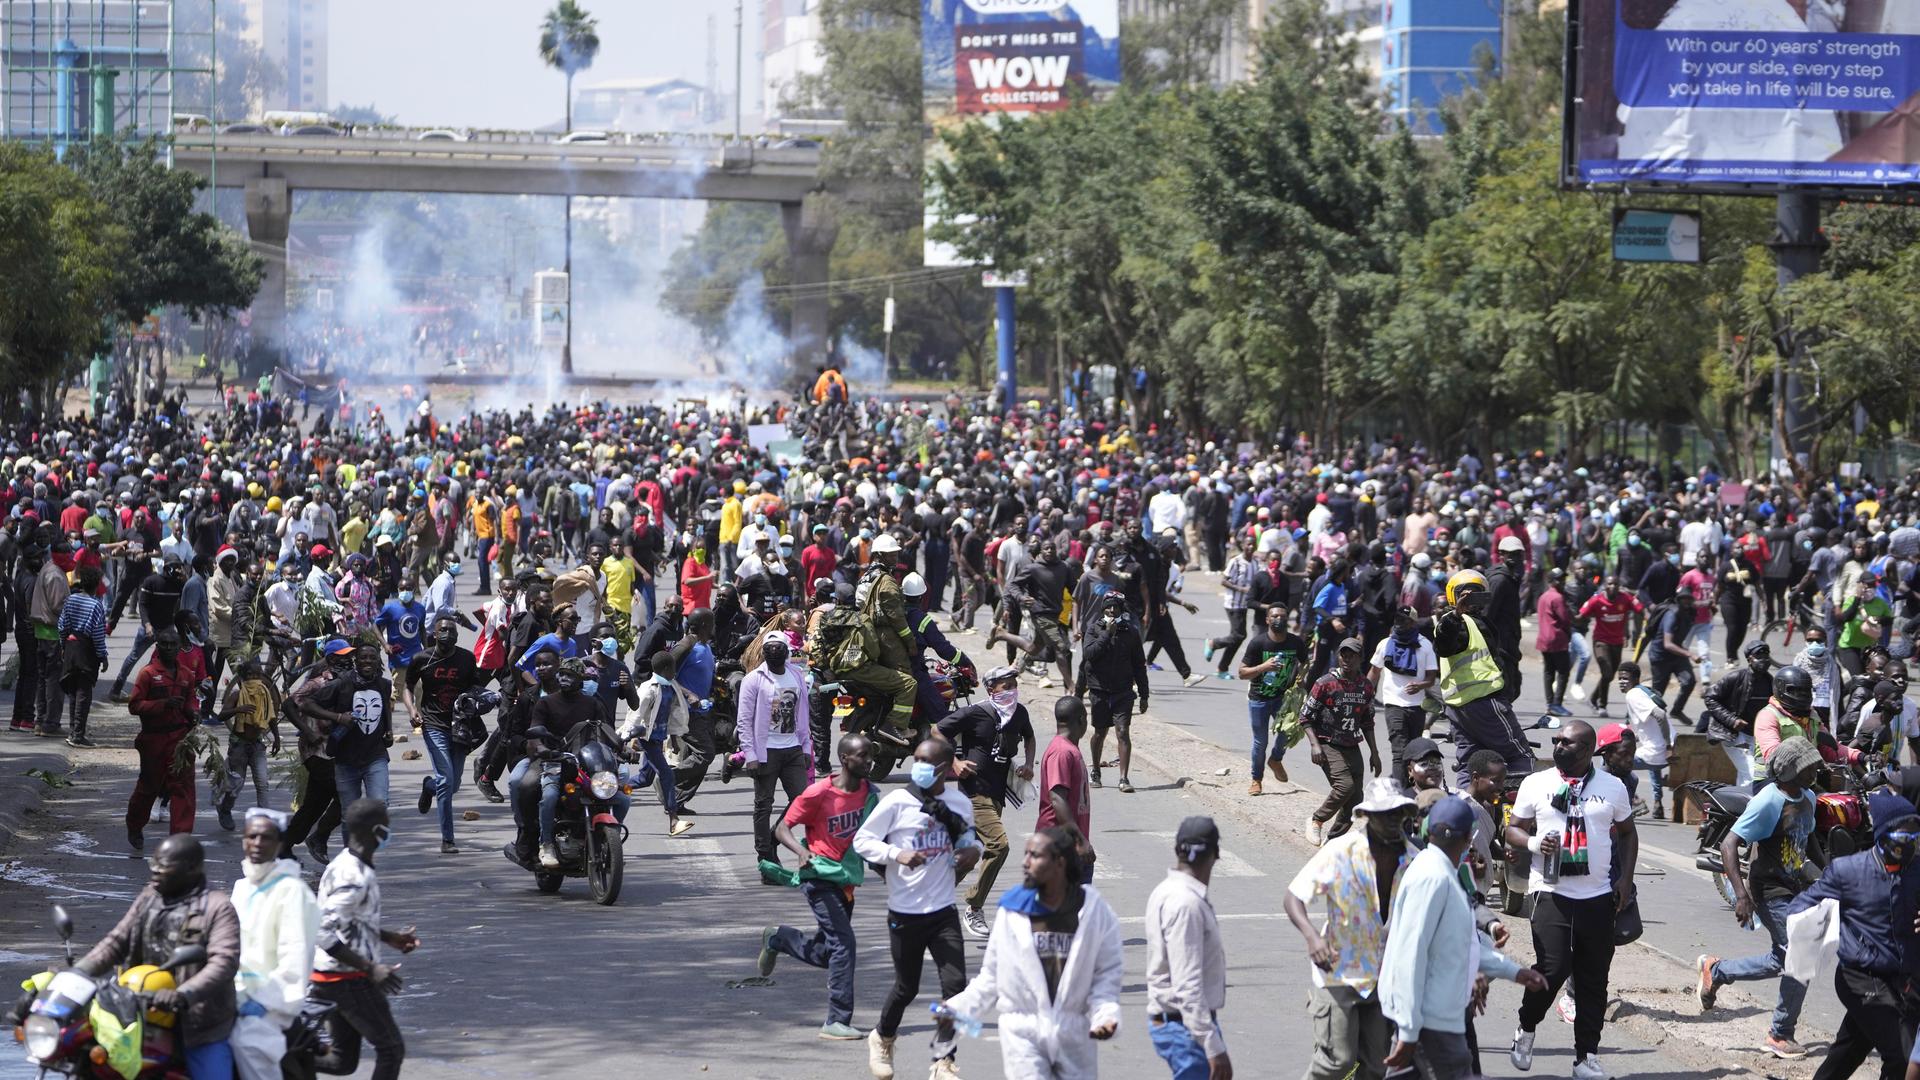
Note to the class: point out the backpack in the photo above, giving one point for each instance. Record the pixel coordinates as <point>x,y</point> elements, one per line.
<point>846,641</point>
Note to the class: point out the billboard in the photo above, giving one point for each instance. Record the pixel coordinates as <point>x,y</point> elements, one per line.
<point>989,59</point>
<point>1736,94</point>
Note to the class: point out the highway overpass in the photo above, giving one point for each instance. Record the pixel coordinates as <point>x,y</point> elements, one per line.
<point>270,167</point>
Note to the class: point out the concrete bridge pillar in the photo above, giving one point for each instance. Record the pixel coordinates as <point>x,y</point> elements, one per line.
<point>269,214</point>
<point>812,225</point>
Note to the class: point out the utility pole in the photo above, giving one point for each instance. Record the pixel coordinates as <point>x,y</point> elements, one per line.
<point>1797,245</point>
<point>887,325</point>
<point>739,51</point>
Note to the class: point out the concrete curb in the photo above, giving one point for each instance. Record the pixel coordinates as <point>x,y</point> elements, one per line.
<point>25,762</point>
<point>1652,989</point>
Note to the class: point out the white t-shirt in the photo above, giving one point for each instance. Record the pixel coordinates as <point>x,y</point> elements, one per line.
<point>1646,716</point>
<point>1603,800</point>
<point>783,726</point>
<point>1393,685</point>
<point>896,824</point>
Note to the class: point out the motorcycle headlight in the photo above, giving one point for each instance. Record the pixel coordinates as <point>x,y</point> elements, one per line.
<point>604,785</point>
<point>43,1037</point>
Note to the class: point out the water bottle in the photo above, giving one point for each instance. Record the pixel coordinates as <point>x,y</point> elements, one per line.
<point>1550,867</point>
<point>965,1025</point>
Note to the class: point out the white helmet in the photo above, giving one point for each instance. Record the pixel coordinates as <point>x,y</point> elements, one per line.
<point>913,585</point>
<point>885,544</point>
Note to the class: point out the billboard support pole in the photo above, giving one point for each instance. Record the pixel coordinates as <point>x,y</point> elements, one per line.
<point>1003,324</point>
<point>1797,246</point>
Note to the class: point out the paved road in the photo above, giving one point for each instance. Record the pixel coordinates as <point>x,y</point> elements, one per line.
<point>511,982</point>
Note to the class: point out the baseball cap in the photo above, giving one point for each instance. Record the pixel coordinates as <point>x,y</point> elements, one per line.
<point>1451,814</point>
<point>1422,560</point>
<point>320,551</point>
<point>1353,644</point>
<point>1421,749</point>
<point>1198,836</point>
<point>1511,543</point>
<point>1611,734</point>
<point>336,646</point>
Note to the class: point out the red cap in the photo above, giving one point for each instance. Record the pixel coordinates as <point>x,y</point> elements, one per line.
<point>1611,734</point>
<point>320,551</point>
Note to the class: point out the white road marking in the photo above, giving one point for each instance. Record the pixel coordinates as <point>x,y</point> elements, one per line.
<point>702,864</point>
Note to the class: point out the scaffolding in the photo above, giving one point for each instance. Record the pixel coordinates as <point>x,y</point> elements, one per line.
<point>74,70</point>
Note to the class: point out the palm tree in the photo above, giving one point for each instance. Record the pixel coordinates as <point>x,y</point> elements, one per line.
<point>569,40</point>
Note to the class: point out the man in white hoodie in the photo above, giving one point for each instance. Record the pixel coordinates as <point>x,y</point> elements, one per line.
<point>279,923</point>
<point>1052,967</point>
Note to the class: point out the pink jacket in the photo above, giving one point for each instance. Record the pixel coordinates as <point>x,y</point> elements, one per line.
<point>755,712</point>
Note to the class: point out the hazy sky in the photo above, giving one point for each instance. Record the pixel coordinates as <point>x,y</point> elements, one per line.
<point>476,63</point>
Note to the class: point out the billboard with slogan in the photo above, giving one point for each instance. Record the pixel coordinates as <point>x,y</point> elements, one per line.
<point>1720,94</point>
<point>996,58</point>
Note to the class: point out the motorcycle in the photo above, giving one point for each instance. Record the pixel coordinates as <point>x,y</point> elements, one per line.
<point>586,835</point>
<point>1841,823</point>
<point>857,708</point>
<point>1509,869</point>
<point>83,1026</point>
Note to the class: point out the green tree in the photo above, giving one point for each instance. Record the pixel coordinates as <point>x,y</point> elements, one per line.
<point>1177,44</point>
<point>569,40</point>
<point>60,249</point>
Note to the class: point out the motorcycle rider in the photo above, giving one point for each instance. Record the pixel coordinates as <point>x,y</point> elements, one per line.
<point>176,908</point>
<point>1777,822</point>
<point>511,756</point>
<point>279,926</point>
<point>849,649</point>
<point>1113,677</point>
<point>1733,705</point>
<point>568,715</point>
<point>927,702</point>
<point>883,602</point>
<point>1789,713</point>
<point>1471,678</point>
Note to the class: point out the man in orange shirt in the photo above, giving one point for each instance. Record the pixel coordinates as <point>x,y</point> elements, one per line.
<point>485,517</point>
<point>509,531</point>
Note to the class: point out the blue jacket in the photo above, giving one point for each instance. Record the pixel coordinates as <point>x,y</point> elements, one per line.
<point>1876,912</point>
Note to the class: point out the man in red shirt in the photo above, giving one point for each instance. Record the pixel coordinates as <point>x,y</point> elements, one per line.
<point>1609,609</point>
<point>1064,799</point>
<point>163,698</point>
<point>817,560</point>
<point>830,810</point>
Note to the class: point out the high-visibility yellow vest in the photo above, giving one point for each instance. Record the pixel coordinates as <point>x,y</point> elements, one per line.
<point>1472,673</point>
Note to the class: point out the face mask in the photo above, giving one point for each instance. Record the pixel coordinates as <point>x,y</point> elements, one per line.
<point>453,570</point>
<point>406,596</point>
<point>759,519</point>
<point>1817,649</point>
<point>923,775</point>
<point>1673,560</point>
<point>382,836</point>
<point>610,646</point>
<point>1005,699</point>
<point>662,680</point>
<point>1633,541</point>
<point>590,687</point>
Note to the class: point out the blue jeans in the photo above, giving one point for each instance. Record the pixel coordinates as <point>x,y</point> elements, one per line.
<point>1582,656</point>
<point>1176,1046</point>
<point>214,1061</point>
<point>1657,774</point>
<point>447,761</point>
<point>1771,914</point>
<point>645,590</point>
<point>830,947</point>
<point>360,781</point>
<point>654,753</point>
<point>1260,713</point>
<point>550,805</point>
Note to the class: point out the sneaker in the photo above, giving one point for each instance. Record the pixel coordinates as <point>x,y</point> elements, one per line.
<point>976,923</point>
<point>1208,651</point>
<point>1588,1068</point>
<point>679,827</point>
<point>1659,812</point>
<point>1577,692</point>
<point>879,1055</point>
<point>426,794</point>
<point>1225,676</point>
<point>81,742</point>
<point>767,955</point>
<point>1704,990</point>
<point>1155,667</point>
<point>119,696</point>
<point>51,733</point>
<point>944,1069</point>
<point>158,815</point>
<point>1601,711</point>
<point>134,841</point>
<point>838,1030</point>
<point>1046,683</point>
<point>1093,778</point>
<point>1194,679</point>
<point>317,848</point>
<point>1317,834</point>
<point>549,858</point>
<point>1785,1049</point>
<point>490,791</point>
<point>1254,787</point>
<point>18,726</point>
<point>1521,1053</point>
<point>447,847</point>
<point>1126,786</point>
<point>225,814</point>
<point>1565,1008</point>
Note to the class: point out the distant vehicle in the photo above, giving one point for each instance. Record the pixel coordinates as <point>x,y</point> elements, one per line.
<point>576,138</point>
<point>797,144</point>
<point>312,129</point>
<point>189,123</point>
<point>244,129</point>
<point>289,122</point>
<point>440,135</point>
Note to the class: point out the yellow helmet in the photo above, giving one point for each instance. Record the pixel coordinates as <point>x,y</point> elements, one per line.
<point>1462,581</point>
<point>273,502</point>
<point>146,979</point>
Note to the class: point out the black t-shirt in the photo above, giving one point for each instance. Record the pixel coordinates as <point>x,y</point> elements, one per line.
<point>369,707</point>
<point>1262,646</point>
<point>160,600</point>
<point>1053,939</point>
<point>560,716</point>
<point>978,737</point>
<point>1045,585</point>
<point>441,679</point>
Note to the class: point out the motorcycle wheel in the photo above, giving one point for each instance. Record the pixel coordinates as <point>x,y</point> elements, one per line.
<point>1512,901</point>
<point>882,765</point>
<point>605,866</point>
<point>1725,887</point>
<point>547,883</point>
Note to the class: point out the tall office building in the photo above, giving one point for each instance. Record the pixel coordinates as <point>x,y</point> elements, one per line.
<point>1431,50</point>
<point>790,50</point>
<point>291,35</point>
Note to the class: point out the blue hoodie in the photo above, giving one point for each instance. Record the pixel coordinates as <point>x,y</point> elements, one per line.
<point>1877,907</point>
